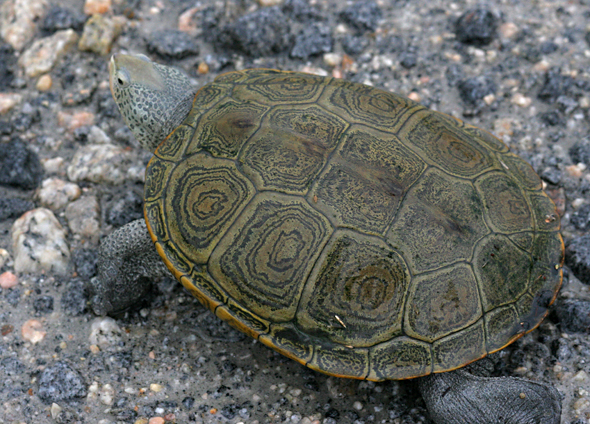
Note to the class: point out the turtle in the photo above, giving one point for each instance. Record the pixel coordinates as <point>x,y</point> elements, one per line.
<point>351,229</point>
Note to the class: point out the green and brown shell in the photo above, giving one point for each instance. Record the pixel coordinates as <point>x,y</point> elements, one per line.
<point>352,229</point>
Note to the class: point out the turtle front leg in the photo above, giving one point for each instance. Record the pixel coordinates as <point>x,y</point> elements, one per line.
<point>127,263</point>
<point>462,398</point>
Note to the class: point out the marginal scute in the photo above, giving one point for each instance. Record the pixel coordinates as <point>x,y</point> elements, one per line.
<point>276,88</point>
<point>460,348</point>
<point>242,319</point>
<point>355,295</point>
<point>366,180</point>
<point>265,258</point>
<point>442,302</point>
<point>545,215</point>
<point>291,148</point>
<point>366,105</point>
<point>522,171</point>
<point>502,270</point>
<point>204,289</point>
<point>400,358</point>
<point>507,208</point>
<point>205,196</point>
<point>156,178</point>
<point>548,256</point>
<point>501,326</point>
<point>446,218</point>
<point>441,140</point>
<point>289,341</point>
<point>341,361</point>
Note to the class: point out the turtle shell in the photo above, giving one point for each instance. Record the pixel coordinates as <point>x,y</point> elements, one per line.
<point>351,229</point>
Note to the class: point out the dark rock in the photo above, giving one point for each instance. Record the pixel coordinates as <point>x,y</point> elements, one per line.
<point>126,209</point>
<point>363,15</point>
<point>85,261</point>
<point>354,44</point>
<point>390,44</point>
<point>332,413</point>
<point>19,166</point>
<point>581,218</point>
<point>476,27</point>
<point>75,296</point>
<point>13,297</point>
<point>106,105</point>
<point>43,305</point>
<point>300,10</point>
<point>60,382</point>
<point>312,40</point>
<point>580,152</point>
<point>11,207</point>
<point>454,74</point>
<point>172,44</point>
<point>573,315</point>
<point>259,33</point>
<point>7,65</point>
<point>188,402</point>
<point>408,60</point>
<point>551,175</point>
<point>554,85</point>
<point>5,126</point>
<point>577,257</point>
<point>59,18</point>
<point>548,47</point>
<point>11,366</point>
<point>552,118</point>
<point>80,90</point>
<point>473,90</point>
<point>23,121</point>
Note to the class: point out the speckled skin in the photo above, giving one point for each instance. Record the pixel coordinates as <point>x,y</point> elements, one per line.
<point>128,258</point>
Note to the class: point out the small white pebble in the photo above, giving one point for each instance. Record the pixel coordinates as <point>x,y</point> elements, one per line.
<point>32,331</point>
<point>55,410</point>
<point>156,388</point>
<point>580,377</point>
<point>357,405</point>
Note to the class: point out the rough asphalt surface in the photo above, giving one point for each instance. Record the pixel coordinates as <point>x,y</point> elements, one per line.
<point>70,173</point>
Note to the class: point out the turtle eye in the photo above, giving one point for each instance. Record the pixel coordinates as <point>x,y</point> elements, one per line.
<point>122,78</point>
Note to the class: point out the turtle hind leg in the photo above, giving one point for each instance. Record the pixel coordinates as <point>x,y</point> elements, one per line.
<point>127,264</point>
<point>462,398</point>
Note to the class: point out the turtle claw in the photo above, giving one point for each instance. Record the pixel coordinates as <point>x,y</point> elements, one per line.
<point>462,398</point>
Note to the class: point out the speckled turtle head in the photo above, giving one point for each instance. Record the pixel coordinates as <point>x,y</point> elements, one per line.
<point>152,98</point>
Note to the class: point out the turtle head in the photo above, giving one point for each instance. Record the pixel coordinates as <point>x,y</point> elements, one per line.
<point>153,99</point>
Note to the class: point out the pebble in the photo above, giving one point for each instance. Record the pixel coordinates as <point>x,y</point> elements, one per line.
<point>156,420</point>
<point>581,217</point>
<point>521,100</point>
<point>577,257</point>
<point>43,305</point>
<point>363,15</point>
<point>75,119</point>
<point>172,44</point>
<point>56,193</point>
<point>45,52</point>
<point>104,332</point>
<point>17,20</point>
<point>508,30</point>
<point>156,388</point>
<point>269,3</point>
<point>8,280</point>
<point>8,101</point>
<point>83,216</point>
<point>312,40</point>
<point>473,90</point>
<point>100,32</point>
<point>44,83</point>
<point>54,165</point>
<point>107,394</point>
<point>4,257</point>
<point>188,21</point>
<point>97,6</point>
<point>99,163</point>
<point>580,377</point>
<point>55,410</point>
<point>477,27</point>
<point>39,243</point>
<point>32,331</point>
<point>59,382</point>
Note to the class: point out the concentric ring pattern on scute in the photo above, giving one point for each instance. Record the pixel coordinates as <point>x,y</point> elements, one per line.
<point>352,229</point>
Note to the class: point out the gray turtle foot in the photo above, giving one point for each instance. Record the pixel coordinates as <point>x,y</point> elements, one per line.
<point>127,263</point>
<point>459,397</point>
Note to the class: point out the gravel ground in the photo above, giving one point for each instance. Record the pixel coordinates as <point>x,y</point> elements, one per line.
<point>519,69</point>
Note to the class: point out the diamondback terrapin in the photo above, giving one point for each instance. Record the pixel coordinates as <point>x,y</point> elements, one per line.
<point>350,229</point>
